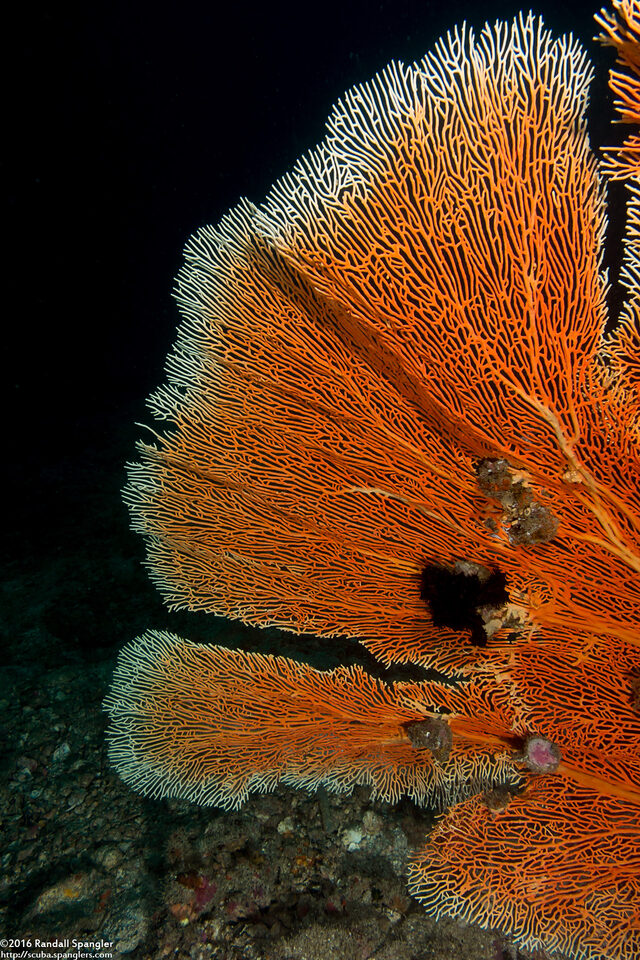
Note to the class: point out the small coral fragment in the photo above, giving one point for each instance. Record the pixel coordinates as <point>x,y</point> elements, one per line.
<point>497,800</point>
<point>431,734</point>
<point>536,524</point>
<point>541,756</point>
<point>528,522</point>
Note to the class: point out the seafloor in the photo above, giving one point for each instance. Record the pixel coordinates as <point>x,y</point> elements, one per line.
<point>290,876</point>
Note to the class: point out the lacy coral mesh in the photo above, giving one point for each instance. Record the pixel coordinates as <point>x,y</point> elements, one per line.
<point>621,30</point>
<point>211,725</point>
<point>423,290</point>
<point>392,375</point>
<point>559,868</point>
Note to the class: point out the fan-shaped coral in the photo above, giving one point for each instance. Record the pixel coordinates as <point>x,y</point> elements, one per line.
<point>394,414</point>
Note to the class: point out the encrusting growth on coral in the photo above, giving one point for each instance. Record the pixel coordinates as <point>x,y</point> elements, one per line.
<point>394,414</point>
<point>468,596</point>
<point>526,520</point>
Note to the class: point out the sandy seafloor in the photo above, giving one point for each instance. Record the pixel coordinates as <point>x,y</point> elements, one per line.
<point>290,876</point>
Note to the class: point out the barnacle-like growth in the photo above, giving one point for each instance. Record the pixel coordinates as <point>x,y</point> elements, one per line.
<point>393,414</point>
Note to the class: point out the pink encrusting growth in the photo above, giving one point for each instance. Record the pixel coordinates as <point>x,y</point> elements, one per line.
<point>394,414</point>
<point>540,755</point>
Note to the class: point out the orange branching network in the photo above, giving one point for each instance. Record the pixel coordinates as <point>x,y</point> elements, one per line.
<point>394,413</point>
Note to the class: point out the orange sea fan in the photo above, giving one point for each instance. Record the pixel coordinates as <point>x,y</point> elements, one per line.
<point>394,414</point>
<point>562,866</point>
<point>621,29</point>
<point>211,725</point>
<point>325,431</point>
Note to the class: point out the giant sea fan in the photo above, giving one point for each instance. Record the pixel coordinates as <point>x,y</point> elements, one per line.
<point>394,414</point>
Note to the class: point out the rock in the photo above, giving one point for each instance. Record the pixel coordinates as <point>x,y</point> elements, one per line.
<point>352,838</point>
<point>61,753</point>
